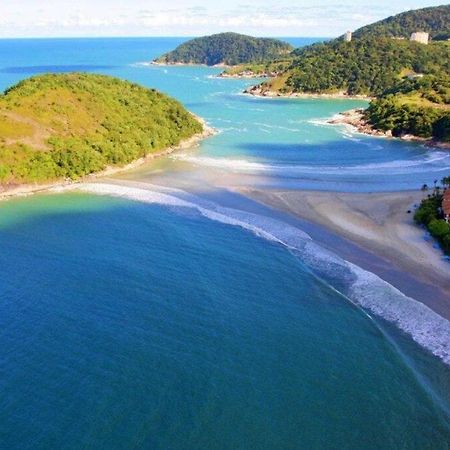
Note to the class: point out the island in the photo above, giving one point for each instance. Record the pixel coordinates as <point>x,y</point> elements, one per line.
<point>392,62</point>
<point>227,49</point>
<point>58,127</point>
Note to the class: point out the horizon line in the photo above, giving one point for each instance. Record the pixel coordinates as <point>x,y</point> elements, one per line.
<point>153,37</point>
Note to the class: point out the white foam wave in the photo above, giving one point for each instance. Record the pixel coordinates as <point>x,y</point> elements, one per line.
<point>362,287</point>
<point>222,163</point>
<point>252,222</point>
<point>143,64</point>
<point>434,161</point>
<point>321,121</point>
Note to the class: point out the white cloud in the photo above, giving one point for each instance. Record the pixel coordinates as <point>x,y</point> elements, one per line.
<point>181,17</point>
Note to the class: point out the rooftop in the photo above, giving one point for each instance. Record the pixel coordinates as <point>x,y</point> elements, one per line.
<point>446,203</point>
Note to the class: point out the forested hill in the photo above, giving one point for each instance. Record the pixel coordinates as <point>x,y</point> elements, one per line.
<point>67,126</point>
<point>371,63</point>
<point>364,66</point>
<point>434,20</point>
<point>410,80</point>
<point>226,48</point>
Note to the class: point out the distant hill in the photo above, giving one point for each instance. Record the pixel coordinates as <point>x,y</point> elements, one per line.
<point>361,67</point>
<point>410,80</point>
<point>226,48</point>
<point>67,126</point>
<point>364,66</point>
<point>372,62</point>
<point>433,20</point>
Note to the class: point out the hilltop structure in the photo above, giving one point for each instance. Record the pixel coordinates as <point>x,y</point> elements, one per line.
<point>421,37</point>
<point>348,36</point>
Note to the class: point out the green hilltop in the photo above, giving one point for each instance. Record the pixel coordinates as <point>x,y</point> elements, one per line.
<point>410,80</point>
<point>226,48</point>
<point>67,126</point>
<point>433,20</point>
<point>366,66</point>
<point>376,59</point>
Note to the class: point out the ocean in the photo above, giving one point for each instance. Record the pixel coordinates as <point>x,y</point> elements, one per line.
<point>161,310</point>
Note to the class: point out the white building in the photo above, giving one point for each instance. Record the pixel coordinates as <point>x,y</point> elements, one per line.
<point>421,37</point>
<point>348,36</point>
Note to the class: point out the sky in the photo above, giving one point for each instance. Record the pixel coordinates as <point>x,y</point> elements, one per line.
<point>318,18</point>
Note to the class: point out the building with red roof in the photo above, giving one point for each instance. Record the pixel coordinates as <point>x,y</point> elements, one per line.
<point>446,205</point>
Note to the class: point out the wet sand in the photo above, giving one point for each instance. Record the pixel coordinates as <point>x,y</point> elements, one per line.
<point>375,232</point>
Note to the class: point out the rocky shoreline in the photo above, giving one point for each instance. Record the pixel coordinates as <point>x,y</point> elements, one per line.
<point>248,74</point>
<point>258,91</point>
<point>355,118</point>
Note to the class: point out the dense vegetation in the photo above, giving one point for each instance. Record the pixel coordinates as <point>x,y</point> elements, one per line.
<point>419,107</point>
<point>434,20</point>
<point>226,48</point>
<point>266,69</point>
<point>430,215</point>
<point>411,81</point>
<point>373,61</point>
<point>67,126</point>
<point>363,66</point>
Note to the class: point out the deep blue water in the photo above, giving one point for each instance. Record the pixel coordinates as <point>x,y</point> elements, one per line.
<point>119,330</point>
<point>156,324</point>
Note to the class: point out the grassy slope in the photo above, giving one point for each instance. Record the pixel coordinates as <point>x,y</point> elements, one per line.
<point>67,126</point>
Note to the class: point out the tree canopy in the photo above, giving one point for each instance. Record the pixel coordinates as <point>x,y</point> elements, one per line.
<point>226,48</point>
<point>366,66</point>
<point>70,125</point>
<point>433,20</point>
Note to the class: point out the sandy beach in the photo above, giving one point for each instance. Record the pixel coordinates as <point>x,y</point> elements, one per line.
<point>378,224</point>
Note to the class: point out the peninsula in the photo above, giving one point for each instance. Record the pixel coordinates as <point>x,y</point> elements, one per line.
<point>63,127</point>
<point>228,49</point>
<point>407,80</point>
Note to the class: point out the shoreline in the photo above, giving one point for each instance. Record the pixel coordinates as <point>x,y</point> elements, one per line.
<point>256,91</point>
<point>180,64</point>
<point>30,189</point>
<point>355,119</point>
<point>242,76</point>
<point>373,231</point>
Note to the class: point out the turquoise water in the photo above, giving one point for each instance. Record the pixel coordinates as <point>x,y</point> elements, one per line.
<point>179,317</point>
<point>263,142</point>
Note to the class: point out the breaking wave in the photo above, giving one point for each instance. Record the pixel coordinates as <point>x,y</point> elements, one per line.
<point>436,161</point>
<point>361,287</point>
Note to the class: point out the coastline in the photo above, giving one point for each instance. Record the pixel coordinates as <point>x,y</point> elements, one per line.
<point>375,232</point>
<point>30,189</point>
<point>243,76</point>
<point>181,64</point>
<point>355,119</point>
<point>256,91</point>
